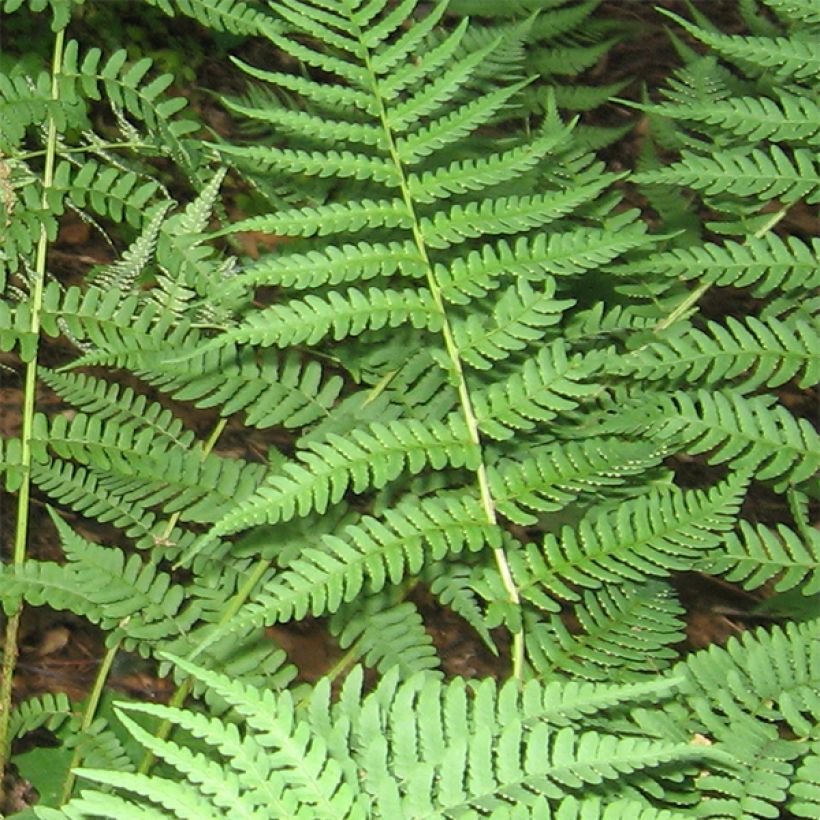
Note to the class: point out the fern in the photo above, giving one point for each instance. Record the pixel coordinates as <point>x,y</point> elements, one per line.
<point>465,366</point>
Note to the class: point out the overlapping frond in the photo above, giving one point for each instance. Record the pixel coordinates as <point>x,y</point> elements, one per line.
<point>542,388</point>
<point>740,696</point>
<point>361,757</point>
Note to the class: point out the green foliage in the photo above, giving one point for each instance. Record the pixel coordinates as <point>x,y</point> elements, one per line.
<point>464,368</point>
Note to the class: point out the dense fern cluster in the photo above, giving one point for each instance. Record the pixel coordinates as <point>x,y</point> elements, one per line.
<point>485,375</point>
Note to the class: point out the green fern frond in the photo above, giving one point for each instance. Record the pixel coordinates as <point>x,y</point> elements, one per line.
<point>338,316</point>
<point>741,697</point>
<point>561,253</point>
<point>542,388</point>
<point>627,633</point>
<point>805,789</point>
<point>744,431</point>
<point>322,472</point>
<point>49,710</point>
<point>125,88</point>
<point>765,263</point>
<point>787,118</point>
<point>357,757</point>
<point>795,11</point>
<point>110,192</point>
<point>752,353</point>
<point>372,552</point>
<point>331,266</point>
<point>86,492</point>
<point>100,585</point>
<point>647,537</point>
<point>789,57</point>
<point>341,164</point>
<point>452,589</point>
<point>520,318</point>
<point>507,215</point>
<point>385,636</point>
<point>571,58</point>
<point>329,219</point>
<point>760,554</point>
<point>762,173</point>
<point>110,401</point>
<point>463,175</point>
<point>269,389</point>
<point>552,477</point>
<point>24,102</point>
<point>235,16</point>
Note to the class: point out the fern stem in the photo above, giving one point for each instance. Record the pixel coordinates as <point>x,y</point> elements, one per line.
<point>10,645</point>
<point>89,714</point>
<point>487,502</point>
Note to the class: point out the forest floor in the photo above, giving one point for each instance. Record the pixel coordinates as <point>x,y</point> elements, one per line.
<point>62,653</point>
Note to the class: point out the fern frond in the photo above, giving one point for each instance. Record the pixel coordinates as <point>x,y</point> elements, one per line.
<point>763,173</point>
<point>372,552</point>
<point>331,266</point>
<point>760,554</point>
<point>628,634</point>
<point>110,401</point>
<point>744,431</point>
<point>450,584</point>
<point>110,192</point>
<point>338,315</point>
<point>25,101</point>
<point>543,387</point>
<point>790,57</point>
<point>520,318</point>
<point>414,147</point>
<point>506,215</point>
<point>742,696</point>
<point>385,636</point>
<point>787,118</point>
<point>341,164</point>
<point>270,390</point>
<point>49,710</point>
<point>646,537</point>
<point>125,88</point>
<point>362,757</point>
<point>235,16</point>
<point>464,175</point>
<point>102,586</point>
<point>561,253</point>
<point>795,11</point>
<point>322,472</point>
<point>764,263</point>
<point>86,493</point>
<point>804,792</point>
<point>552,477</point>
<point>328,219</point>
<point>752,352</point>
